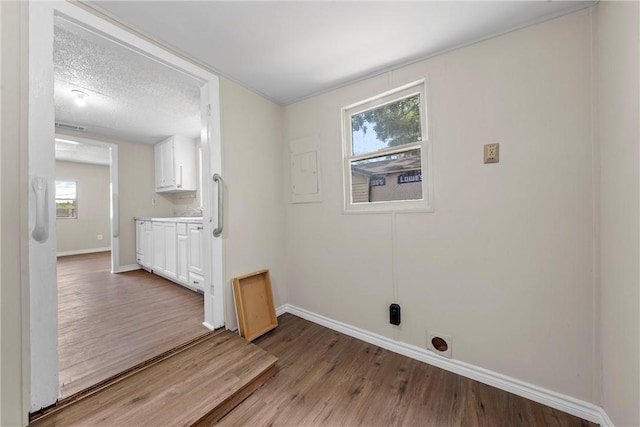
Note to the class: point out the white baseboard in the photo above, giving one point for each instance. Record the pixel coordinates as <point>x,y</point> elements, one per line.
<point>84,251</point>
<point>208,325</point>
<point>125,268</point>
<point>568,404</point>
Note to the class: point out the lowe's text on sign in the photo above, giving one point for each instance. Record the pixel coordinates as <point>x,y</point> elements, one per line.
<point>409,177</point>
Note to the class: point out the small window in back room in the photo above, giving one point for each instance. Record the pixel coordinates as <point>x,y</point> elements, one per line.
<point>66,200</point>
<point>387,154</point>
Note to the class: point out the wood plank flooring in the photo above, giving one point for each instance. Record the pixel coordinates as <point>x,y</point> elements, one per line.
<point>329,379</point>
<point>195,386</point>
<point>108,323</point>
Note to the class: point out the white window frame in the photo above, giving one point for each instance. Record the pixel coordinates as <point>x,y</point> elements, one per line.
<point>56,199</point>
<point>421,205</point>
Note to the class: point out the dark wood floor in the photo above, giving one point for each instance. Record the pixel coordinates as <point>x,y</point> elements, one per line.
<point>111,322</point>
<point>329,379</point>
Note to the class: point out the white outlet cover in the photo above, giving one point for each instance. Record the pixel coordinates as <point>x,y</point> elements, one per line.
<point>447,353</point>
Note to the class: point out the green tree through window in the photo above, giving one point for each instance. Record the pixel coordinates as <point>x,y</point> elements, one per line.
<point>394,124</point>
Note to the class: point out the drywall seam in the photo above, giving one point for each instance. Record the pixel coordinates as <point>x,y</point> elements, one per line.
<point>562,402</point>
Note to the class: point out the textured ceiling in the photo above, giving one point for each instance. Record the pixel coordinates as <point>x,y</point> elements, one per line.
<point>130,96</point>
<point>291,50</point>
<point>72,151</point>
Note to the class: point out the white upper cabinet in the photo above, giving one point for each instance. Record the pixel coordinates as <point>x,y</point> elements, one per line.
<point>175,161</point>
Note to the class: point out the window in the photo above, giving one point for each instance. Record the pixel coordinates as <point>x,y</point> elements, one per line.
<point>387,154</point>
<point>66,200</point>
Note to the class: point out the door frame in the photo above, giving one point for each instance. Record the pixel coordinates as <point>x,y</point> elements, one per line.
<point>114,195</point>
<point>42,302</point>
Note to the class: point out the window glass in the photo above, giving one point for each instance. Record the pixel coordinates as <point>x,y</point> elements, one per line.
<point>390,125</point>
<point>66,199</point>
<point>387,178</point>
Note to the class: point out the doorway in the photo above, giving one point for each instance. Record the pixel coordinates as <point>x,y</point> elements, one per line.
<point>42,305</point>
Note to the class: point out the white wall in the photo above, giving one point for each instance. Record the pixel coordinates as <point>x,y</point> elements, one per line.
<point>505,263</point>
<point>93,194</point>
<point>618,92</point>
<point>253,173</point>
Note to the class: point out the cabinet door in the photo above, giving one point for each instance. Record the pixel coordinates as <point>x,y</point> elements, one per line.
<point>147,248</point>
<point>139,237</point>
<point>158,262</point>
<point>183,247</point>
<point>168,169</point>
<point>158,157</point>
<point>195,248</point>
<point>170,250</point>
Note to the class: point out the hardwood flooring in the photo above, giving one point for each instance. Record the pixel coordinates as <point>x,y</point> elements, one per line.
<point>326,378</point>
<point>196,386</point>
<point>108,323</point>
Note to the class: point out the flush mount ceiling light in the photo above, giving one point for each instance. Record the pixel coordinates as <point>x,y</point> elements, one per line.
<point>81,97</point>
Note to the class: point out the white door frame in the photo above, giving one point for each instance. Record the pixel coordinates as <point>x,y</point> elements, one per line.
<point>42,304</point>
<point>114,195</point>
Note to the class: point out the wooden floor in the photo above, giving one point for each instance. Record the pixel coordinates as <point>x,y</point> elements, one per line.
<point>329,379</point>
<point>109,323</point>
<point>195,386</point>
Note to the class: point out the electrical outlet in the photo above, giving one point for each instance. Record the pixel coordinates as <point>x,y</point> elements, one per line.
<point>153,201</point>
<point>99,236</point>
<point>491,153</point>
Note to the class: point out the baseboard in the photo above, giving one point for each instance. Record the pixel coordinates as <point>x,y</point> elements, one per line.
<point>568,404</point>
<point>125,268</point>
<point>83,251</point>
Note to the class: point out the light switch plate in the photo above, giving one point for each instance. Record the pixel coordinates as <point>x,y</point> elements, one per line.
<point>491,153</point>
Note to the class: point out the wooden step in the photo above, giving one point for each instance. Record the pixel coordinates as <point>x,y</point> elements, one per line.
<point>198,385</point>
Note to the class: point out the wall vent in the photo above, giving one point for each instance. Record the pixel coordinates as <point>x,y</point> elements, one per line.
<point>67,126</point>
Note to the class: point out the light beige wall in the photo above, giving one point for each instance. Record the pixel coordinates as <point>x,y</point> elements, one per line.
<point>253,170</point>
<point>13,347</point>
<point>505,263</point>
<point>93,184</point>
<point>618,72</point>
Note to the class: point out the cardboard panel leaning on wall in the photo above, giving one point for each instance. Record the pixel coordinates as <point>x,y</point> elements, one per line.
<point>505,264</point>
<point>253,170</point>
<point>618,68</point>
<point>93,208</point>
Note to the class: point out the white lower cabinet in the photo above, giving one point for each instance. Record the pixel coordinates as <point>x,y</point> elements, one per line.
<point>143,244</point>
<point>147,246</point>
<point>183,253</point>
<point>196,281</point>
<point>172,250</point>
<point>157,247</point>
<point>195,249</point>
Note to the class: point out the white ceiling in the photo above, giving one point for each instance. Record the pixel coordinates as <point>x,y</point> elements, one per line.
<point>291,50</point>
<point>130,96</point>
<point>284,50</point>
<point>73,151</point>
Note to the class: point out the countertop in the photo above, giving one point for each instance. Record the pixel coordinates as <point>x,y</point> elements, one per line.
<point>188,219</point>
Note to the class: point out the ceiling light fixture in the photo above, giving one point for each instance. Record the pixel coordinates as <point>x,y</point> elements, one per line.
<point>81,97</point>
